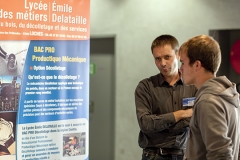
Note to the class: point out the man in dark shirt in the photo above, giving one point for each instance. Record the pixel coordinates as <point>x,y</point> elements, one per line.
<point>162,117</point>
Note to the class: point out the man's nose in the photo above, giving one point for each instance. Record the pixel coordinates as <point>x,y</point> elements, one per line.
<point>163,62</point>
<point>180,68</point>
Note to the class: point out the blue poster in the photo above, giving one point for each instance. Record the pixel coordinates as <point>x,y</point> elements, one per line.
<point>53,100</point>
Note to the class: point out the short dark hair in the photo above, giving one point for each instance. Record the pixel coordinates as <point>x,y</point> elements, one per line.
<point>205,49</point>
<point>75,137</point>
<point>165,39</point>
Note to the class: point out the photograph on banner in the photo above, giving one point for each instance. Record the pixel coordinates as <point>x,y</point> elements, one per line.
<point>12,57</point>
<point>74,144</point>
<point>9,100</point>
<point>7,133</point>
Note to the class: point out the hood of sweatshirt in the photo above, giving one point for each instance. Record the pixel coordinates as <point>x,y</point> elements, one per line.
<point>220,86</point>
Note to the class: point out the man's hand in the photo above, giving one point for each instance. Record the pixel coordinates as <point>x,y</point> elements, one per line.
<point>181,114</point>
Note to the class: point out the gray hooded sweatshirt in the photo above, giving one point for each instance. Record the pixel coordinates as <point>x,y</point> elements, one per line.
<point>214,132</point>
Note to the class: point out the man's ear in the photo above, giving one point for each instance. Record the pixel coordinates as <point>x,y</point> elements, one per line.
<point>177,56</point>
<point>198,64</point>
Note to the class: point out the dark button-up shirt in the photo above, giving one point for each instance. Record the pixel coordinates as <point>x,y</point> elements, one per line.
<point>155,103</point>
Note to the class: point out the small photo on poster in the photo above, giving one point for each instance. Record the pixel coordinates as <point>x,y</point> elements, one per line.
<point>9,93</point>
<point>74,144</point>
<point>12,57</point>
<point>7,133</point>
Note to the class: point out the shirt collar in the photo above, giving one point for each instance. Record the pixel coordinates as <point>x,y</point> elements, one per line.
<point>161,79</point>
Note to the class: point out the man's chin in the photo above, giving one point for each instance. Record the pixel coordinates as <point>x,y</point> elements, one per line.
<point>185,82</point>
<point>165,73</point>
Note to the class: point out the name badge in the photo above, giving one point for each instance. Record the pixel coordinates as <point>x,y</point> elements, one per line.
<point>188,102</point>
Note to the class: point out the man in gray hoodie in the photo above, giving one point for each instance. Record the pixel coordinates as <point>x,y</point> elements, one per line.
<point>214,132</point>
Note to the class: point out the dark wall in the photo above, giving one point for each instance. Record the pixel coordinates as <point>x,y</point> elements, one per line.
<point>226,39</point>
